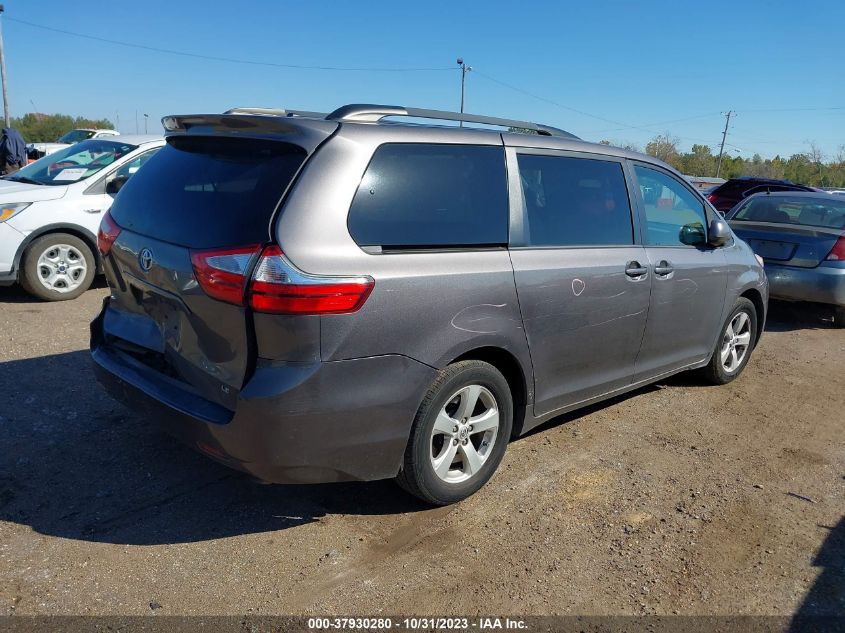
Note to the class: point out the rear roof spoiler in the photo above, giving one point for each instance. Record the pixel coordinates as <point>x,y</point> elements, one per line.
<point>308,135</point>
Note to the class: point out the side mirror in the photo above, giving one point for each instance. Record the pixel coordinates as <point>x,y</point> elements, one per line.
<point>720,233</point>
<point>692,234</point>
<point>114,185</point>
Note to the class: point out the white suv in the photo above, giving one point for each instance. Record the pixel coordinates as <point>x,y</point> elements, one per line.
<point>51,209</point>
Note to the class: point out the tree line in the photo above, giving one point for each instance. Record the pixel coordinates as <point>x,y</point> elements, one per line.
<point>46,128</point>
<point>812,167</point>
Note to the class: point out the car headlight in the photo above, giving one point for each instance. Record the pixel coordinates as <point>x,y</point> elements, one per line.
<point>759,259</point>
<point>11,210</point>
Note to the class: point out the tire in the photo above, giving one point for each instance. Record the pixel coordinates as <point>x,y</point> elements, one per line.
<point>719,370</point>
<point>839,316</point>
<point>63,258</point>
<point>462,474</point>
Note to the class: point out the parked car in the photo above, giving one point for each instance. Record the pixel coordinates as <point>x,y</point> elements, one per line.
<point>801,238</point>
<point>51,209</point>
<point>726,196</point>
<point>323,299</point>
<point>39,150</point>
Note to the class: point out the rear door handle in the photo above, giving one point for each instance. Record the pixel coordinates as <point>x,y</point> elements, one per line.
<point>663,268</point>
<point>635,269</point>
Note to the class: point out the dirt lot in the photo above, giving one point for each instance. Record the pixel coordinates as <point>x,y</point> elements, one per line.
<point>677,498</point>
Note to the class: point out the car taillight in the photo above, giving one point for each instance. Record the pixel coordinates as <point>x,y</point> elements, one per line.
<point>107,234</point>
<point>222,272</point>
<point>837,253</point>
<point>278,287</point>
<point>712,198</point>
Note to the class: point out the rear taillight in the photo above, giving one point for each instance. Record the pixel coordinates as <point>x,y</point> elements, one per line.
<point>109,230</point>
<point>837,253</point>
<point>279,288</point>
<point>222,272</point>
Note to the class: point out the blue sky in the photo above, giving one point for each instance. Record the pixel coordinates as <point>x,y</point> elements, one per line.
<point>602,69</point>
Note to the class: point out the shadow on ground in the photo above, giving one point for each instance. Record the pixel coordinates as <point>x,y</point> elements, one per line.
<point>76,464</point>
<point>826,598</point>
<point>785,316</point>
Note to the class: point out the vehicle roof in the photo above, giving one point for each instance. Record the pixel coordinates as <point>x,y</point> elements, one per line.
<point>823,195</point>
<point>780,181</point>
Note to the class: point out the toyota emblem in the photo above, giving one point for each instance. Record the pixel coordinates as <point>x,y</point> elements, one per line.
<point>145,259</point>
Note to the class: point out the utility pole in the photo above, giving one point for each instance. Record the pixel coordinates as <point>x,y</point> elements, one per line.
<point>6,114</point>
<point>464,70</point>
<point>724,135</point>
<point>146,118</point>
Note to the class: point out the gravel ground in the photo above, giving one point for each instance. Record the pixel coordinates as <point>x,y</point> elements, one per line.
<point>678,498</point>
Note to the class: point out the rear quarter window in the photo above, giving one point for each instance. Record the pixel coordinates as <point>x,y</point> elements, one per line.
<point>431,196</point>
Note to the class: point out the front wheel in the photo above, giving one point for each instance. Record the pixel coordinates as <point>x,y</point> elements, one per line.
<point>459,435</point>
<point>733,349</point>
<point>57,266</point>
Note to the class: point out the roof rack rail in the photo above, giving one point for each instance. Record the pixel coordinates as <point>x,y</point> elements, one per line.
<point>362,112</point>
<point>277,112</point>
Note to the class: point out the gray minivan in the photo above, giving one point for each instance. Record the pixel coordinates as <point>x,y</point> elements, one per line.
<point>313,298</point>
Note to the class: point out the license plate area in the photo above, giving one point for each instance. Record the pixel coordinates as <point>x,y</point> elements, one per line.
<point>772,249</point>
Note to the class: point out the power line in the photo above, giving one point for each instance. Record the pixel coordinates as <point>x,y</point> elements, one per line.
<point>582,112</point>
<point>228,59</point>
<point>795,109</point>
<point>550,101</point>
<point>648,125</point>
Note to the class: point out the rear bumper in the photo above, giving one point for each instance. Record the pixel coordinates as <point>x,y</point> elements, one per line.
<point>822,284</point>
<point>294,422</point>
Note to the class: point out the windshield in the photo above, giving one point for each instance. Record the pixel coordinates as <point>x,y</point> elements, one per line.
<point>75,136</point>
<point>73,163</point>
<point>822,211</point>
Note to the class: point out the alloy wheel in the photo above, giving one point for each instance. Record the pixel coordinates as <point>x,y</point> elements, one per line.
<point>464,434</point>
<point>736,341</point>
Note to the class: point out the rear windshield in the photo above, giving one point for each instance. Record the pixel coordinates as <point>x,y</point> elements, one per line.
<point>823,211</point>
<point>208,192</point>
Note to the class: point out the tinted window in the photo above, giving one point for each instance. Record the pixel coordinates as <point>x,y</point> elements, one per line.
<point>208,192</point>
<point>674,215</point>
<point>825,212</point>
<point>575,201</point>
<point>417,195</point>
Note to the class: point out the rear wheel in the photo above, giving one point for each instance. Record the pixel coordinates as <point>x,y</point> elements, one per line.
<point>460,433</point>
<point>735,344</point>
<point>57,266</point>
